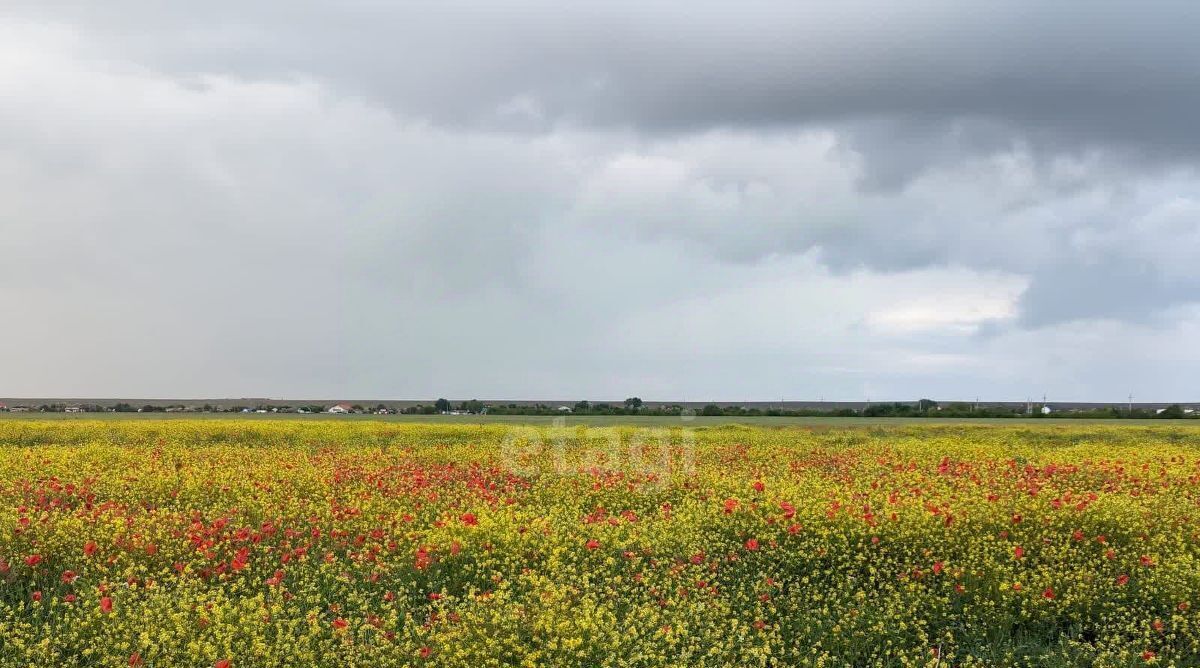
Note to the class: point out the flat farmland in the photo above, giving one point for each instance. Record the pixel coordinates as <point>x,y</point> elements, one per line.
<point>594,420</point>
<point>354,542</point>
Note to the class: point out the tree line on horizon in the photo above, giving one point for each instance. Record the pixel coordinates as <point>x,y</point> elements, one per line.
<point>924,408</point>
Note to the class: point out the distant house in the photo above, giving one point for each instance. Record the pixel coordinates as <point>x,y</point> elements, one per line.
<point>564,409</point>
<point>3,407</point>
<point>73,409</point>
<point>19,409</point>
<point>1046,410</point>
<point>340,408</point>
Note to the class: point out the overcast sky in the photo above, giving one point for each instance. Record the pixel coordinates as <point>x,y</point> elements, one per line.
<point>678,200</point>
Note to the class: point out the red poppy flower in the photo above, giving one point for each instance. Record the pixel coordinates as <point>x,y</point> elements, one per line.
<point>469,519</point>
<point>730,505</point>
<point>106,604</point>
<point>37,595</point>
<point>135,659</point>
<point>1148,655</point>
<point>33,560</point>
<point>1048,594</point>
<point>89,548</point>
<point>592,544</point>
<point>752,544</point>
<point>69,577</point>
<point>223,663</point>
<point>1122,580</point>
<point>758,486</point>
<point>340,623</point>
<point>937,568</point>
<point>789,511</point>
<point>425,652</point>
<point>240,559</point>
<point>1018,552</point>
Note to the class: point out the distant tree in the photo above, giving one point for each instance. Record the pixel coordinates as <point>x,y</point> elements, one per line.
<point>712,409</point>
<point>633,403</point>
<point>442,405</point>
<point>926,405</point>
<point>1172,412</point>
<point>888,410</point>
<point>474,406</point>
<point>582,406</point>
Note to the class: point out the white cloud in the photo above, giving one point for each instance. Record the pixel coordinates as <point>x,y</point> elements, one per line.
<point>953,307</point>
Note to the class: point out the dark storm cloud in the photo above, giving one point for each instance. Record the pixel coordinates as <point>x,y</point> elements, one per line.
<point>1102,72</point>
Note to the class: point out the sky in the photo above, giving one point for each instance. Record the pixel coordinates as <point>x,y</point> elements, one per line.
<point>677,200</point>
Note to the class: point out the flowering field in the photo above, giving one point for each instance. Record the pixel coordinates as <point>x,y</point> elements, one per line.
<point>237,544</point>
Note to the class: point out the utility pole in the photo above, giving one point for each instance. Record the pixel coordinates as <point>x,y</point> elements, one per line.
<point>1131,404</point>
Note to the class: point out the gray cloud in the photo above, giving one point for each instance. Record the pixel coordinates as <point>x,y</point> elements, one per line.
<point>484,197</point>
<point>1113,73</point>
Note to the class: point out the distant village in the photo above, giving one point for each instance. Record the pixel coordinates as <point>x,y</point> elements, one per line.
<point>342,408</point>
<point>922,408</point>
